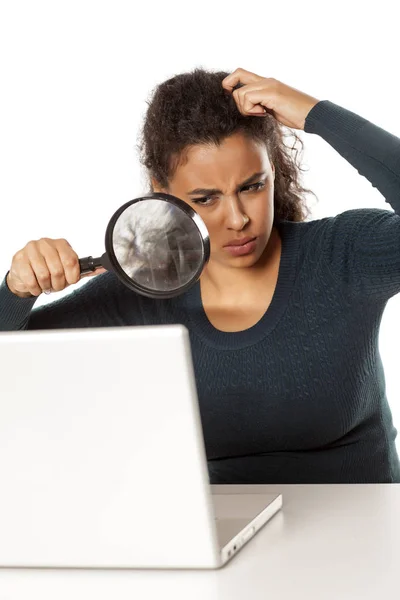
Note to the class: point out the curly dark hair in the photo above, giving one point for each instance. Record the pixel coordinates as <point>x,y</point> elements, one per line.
<point>193,108</point>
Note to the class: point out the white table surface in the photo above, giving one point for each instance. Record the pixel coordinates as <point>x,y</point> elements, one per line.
<point>329,542</point>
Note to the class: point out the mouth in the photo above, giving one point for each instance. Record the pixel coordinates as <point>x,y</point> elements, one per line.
<point>243,242</point>
<point>242,249</point>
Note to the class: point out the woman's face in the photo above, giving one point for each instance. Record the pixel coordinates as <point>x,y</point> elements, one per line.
<point>212,182</point>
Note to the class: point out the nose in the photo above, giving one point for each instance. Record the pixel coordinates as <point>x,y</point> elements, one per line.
<point>235,214</point>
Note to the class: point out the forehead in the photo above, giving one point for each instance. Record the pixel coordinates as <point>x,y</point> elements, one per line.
<point>235,159</point>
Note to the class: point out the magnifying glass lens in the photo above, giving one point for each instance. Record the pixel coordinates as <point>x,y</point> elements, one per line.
<point>157,245</point>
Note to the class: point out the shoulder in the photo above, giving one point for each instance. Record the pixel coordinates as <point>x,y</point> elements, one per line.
<point>349,224</point>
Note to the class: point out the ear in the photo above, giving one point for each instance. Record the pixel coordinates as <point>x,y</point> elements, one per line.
<point>156,186</point>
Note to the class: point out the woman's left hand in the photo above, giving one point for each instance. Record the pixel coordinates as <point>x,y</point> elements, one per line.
<point>260,95</point>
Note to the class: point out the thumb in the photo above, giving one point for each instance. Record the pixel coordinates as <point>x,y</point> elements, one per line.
<point>258,110</point>
<point>98,271</point>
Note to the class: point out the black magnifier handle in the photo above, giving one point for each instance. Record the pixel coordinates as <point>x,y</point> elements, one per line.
<point>88,264</point>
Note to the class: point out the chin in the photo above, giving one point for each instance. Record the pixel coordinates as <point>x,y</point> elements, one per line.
<point>246,261</point>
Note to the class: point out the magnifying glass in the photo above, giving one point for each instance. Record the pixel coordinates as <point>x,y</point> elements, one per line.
<point>157,245</point>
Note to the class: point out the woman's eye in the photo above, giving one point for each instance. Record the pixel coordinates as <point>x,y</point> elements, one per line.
<point>202,201</point>
<point>255,186</point>
<point>252,187</point>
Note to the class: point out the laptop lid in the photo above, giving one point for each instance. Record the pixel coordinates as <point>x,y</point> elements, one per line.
<point>103,461</point>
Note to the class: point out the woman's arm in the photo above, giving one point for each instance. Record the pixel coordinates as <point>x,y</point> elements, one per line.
<point>99,303</point>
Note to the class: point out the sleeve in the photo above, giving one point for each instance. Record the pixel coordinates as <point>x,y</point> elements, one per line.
<point>102,302</point>
<point>362,249</point>
<point>362,246</point>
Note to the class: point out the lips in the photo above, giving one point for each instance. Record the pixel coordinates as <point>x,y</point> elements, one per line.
<point>240,242</point>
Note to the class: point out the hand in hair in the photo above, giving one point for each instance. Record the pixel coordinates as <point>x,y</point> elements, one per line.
<point>256,96</point>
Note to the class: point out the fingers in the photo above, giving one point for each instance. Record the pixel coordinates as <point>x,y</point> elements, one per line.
<point>70,262</point>
<point>239,76</point>
<point>43,265</point>
<point>22,271</point>
<point>46,264</point>
<point>254,95</point>
<point>254,99</point>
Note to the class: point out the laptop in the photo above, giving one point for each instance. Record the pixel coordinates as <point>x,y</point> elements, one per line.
<point>103,462</point>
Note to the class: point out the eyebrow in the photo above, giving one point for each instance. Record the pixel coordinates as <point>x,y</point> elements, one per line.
<point>206,191</point>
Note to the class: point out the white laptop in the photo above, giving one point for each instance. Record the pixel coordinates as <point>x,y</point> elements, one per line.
<point>102,460</point>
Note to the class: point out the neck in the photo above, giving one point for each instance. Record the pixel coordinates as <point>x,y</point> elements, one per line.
<point>232,283</point>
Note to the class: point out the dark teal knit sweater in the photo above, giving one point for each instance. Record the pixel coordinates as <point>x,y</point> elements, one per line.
<point>300,397</point>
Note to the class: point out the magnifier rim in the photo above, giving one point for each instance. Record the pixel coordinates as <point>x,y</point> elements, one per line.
<point>198,221</point>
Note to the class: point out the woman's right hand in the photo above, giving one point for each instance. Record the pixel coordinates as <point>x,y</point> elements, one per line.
<point>44,265</point>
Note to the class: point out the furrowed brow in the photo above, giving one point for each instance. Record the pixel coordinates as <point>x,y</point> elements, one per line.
<point>210,192</point>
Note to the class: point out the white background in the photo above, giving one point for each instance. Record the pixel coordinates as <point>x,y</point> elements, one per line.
<point>75,77</point>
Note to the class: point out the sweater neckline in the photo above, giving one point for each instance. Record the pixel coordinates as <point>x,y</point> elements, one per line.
<point>231,340</point>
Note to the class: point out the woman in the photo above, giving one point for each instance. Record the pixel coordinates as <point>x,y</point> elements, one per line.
<point>284,327</point>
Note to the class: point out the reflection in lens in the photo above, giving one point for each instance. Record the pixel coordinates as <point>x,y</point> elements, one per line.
<point>157,245</point>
